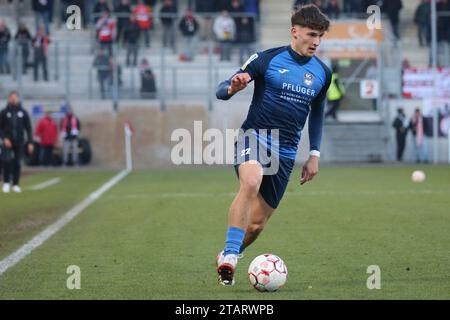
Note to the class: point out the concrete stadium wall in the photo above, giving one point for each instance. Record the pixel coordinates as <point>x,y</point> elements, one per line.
<point>152,145</point>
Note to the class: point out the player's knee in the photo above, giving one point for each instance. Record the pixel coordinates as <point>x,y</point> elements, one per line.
<point>250,185</point>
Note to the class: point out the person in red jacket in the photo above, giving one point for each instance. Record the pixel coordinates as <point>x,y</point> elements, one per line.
<point>144,20</point>
<point>106,31</point>
<point>47,133</point>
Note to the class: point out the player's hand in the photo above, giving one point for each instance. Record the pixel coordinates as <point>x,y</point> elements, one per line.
<point>310,169</point>
<point>239,82</point>
<point>7,143</point>
<point>30,148</point>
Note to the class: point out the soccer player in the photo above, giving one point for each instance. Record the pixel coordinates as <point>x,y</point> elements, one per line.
<point>290,84</point>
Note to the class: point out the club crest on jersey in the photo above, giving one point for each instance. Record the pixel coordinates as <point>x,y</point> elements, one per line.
<point>308,79</point>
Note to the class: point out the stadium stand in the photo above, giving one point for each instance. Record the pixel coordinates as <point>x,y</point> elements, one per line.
<point>73,77</point>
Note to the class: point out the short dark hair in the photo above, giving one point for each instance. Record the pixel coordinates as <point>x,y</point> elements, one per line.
<point>310,16</point>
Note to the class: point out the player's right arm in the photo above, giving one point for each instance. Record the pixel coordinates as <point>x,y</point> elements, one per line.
<point>250,71</point>
<point>230,87</point>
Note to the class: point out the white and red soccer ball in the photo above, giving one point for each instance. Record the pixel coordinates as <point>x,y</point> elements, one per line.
<point>418,176</point>
<point>267,272</point>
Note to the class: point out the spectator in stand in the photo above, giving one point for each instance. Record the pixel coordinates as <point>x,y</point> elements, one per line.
<point>167,13</point>
<point>333,10</point>
<point>41,10</point>
<point>351,7</point>
<point>70,131</point>
<point>106,28</point>
<point>245,34</point>
<point>392,9</point>
<point>206,8</point>
<point>335,94</point>
<point>114,66</point>
<point>223,5</point>
<point>422,18</point>
<point>443,32</point>
<point>225,30</point>
<point>320,4</point>
<point>123,11</point>
<point>150,3</point>
<point>419,128</point>
<point>143,13</point>
<point>40,48</point>
<point>236,11</point>
<point>47,134</point>
<point>252,8</point>
<point>148,84</point>
<point>5,37</point>
<point>245,37</point>
<point>99,8</point>
<point>101,63</point>
<point>299,3</point>
<point>132,33</point>
<point>188,26</point>
<point>24,40</point>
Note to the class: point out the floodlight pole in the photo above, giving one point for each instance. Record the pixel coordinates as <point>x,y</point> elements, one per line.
<point>434,68</point>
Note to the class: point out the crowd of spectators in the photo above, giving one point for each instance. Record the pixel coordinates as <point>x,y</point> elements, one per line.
<point>131,24</point>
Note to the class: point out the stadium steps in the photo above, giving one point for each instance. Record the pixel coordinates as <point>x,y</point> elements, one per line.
<point>275,23</point>
<point>355,141</point>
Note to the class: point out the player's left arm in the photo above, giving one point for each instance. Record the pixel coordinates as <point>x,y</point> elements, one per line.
<point>315,124</point>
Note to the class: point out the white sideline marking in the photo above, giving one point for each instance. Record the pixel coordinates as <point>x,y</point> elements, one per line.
<point>28,247</point>
<point>46,184</point>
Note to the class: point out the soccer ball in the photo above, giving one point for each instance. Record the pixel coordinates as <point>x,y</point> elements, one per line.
<point>418,176</point>
<point>267,272</point>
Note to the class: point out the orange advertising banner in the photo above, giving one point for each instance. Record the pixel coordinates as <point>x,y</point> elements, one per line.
<point>356,30</point>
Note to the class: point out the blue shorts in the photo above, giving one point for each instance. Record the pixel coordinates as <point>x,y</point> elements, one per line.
<point>274,183</point>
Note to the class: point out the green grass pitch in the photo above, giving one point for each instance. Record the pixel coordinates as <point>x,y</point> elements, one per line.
<point>156,234</point>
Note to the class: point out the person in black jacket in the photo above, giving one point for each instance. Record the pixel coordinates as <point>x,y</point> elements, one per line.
<point>392,9</point>
<point>400,125</point>
<point>132,32</point>
<point>123,10</point>
<point>14,123</point>
<point>168,13</point>
<point>5,37</point>
<point>42,11</point>
<point>100,7</point>
<point>188,26</point>
<point>24,41</point>
<point>245,37</point>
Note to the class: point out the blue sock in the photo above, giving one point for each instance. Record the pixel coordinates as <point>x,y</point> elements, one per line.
<point>235,238</point>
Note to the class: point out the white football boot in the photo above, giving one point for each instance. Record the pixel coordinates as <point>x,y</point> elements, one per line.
<point>226,269</point>
<point>16,189</point>
<point>6,188</point>
<point>220,256</point>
